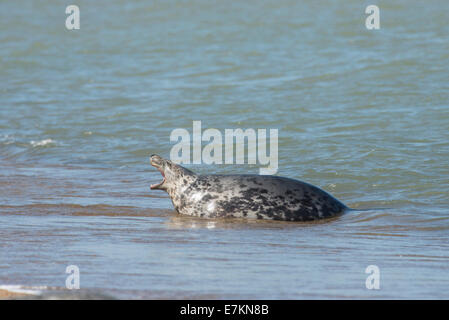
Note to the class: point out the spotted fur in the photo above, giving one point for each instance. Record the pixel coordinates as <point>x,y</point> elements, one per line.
<point>244,196</point>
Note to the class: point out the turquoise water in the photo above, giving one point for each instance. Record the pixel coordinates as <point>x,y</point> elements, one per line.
<point>362,114</point>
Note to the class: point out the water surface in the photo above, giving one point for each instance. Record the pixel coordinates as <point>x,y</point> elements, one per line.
<point>362,114</point>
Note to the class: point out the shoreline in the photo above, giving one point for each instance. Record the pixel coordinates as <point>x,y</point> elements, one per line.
<point>6,294</point>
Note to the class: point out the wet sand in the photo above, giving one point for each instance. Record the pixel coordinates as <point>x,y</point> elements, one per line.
<point>5,294</point>
<point>125,250</point>
<point>362,114</point>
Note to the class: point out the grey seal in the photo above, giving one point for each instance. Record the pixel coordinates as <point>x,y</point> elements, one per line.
<point>243,196</point>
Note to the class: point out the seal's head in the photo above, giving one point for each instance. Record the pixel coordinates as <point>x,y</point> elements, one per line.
<point>171,172</point>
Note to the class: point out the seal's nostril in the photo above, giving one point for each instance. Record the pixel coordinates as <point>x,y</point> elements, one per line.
<point>156,160</point>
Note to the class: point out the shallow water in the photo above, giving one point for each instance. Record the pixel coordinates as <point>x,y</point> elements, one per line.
<point>362,114</point>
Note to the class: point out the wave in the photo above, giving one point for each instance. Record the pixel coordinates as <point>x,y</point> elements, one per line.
<point>19,290</point>
<point>42,143</point>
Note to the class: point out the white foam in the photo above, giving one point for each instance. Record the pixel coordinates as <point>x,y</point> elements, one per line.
<point>35,290</point>
<point>41,143</point>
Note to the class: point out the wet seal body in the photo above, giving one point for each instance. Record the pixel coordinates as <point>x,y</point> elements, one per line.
<point>243,196</point>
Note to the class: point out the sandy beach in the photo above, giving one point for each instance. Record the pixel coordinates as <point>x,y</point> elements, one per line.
<point>5,294</point>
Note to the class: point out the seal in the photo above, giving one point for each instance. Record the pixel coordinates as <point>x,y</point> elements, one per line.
<point>243,196</point>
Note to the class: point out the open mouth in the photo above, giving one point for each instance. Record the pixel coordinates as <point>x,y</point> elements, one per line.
<point>157,185</point>
<point>154,186</point>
